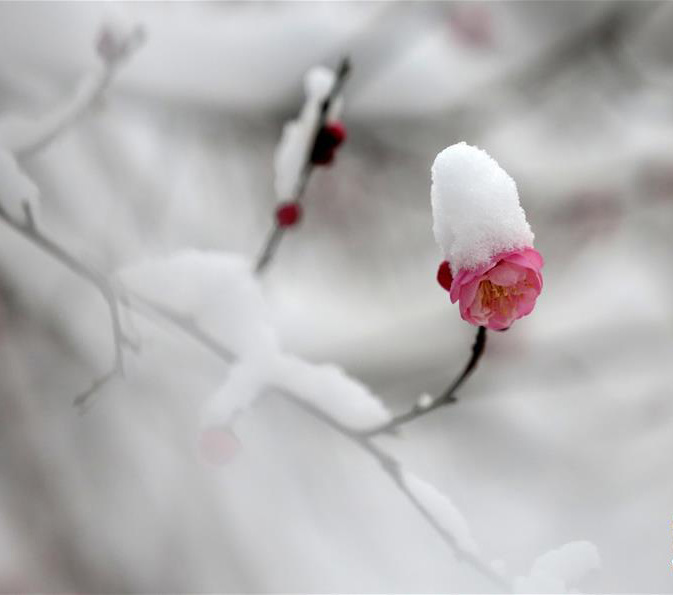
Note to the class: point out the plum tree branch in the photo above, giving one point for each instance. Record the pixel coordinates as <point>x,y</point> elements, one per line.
<point>276,234</point>
<point>447,397</point>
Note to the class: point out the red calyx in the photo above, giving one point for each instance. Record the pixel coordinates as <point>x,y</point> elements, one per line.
<point>330,137</point>
<point>444,276</point>
<point>288,214</point>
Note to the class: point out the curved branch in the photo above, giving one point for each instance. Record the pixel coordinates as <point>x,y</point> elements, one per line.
<point>37,133</point>
<point>447,397</point>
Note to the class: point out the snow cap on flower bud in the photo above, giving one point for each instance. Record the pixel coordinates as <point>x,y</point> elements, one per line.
<point>475,206</point>
<point>491,267</point>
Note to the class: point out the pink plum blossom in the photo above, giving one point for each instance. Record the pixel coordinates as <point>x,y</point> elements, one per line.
<point>499,292</point>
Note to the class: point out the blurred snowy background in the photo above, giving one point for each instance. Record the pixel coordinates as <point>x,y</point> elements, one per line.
<point>565,433</point>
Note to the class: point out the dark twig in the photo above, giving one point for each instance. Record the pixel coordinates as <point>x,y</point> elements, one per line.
<point>83,400</point>
<point>270,247</point>
<point>277,231</point>
<point>447,397</point>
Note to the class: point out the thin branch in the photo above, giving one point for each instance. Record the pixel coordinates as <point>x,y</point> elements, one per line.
<point>31,232</point>
<point>447,397</point>
<point>38,133</point>
<point>27,135</point>
<point>82,401</point>
<point>270,247</point>
<point>277,232</point>
<point>392,468</point>
<point>151,310</point>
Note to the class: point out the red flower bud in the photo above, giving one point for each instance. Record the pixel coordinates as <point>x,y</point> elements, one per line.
<point>330,137</point>
<point>288,214</point>
<point>336,131</point>
<point>444,276</point>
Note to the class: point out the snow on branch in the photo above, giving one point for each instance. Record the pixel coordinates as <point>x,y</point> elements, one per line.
<point>220,292</point>
<point>296,143</point>
<point>213,290</point>
<point>24,135</point>
<point>307,142</point>
<point>330,390</point>
<point>559,570</point>
<point>440,507</point>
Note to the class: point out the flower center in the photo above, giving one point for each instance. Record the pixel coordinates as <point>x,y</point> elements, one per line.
<point>496,298</point>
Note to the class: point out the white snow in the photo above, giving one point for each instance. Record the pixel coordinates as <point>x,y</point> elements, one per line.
<point>216,289</point>
<point>244,384</point>
<point>424,401</point>
<point>332,391</point>
<point>475,206</point>
<point>222,295</point>
<point>440,508</point>
<point>295,143</point>
<point>559,570</point>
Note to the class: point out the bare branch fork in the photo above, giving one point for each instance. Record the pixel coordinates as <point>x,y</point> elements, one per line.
<point>277,231</point>
<point>446,398</point>
<point>30,231</point>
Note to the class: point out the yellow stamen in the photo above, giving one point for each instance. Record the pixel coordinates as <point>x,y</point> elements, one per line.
<point>497,298</point>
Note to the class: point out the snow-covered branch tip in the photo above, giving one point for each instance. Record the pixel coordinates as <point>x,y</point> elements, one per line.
<point>309,141</point>
<point>23,135</point>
